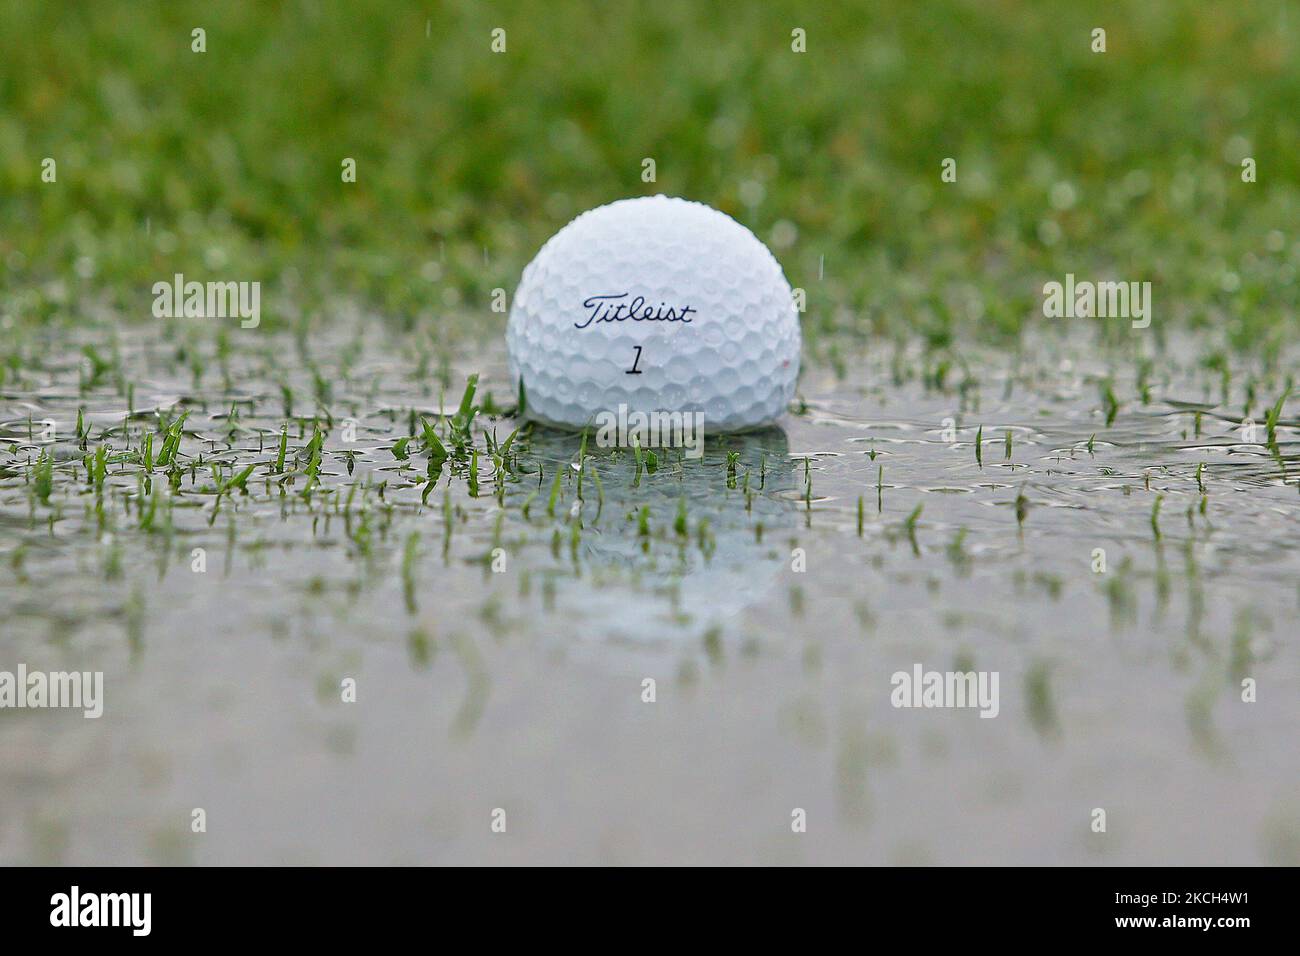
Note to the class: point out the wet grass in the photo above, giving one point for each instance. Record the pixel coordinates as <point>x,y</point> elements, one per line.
<point>1068,161</point>
<point>350,477</point>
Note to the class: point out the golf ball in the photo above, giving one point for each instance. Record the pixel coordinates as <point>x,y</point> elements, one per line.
<point>659,305</point>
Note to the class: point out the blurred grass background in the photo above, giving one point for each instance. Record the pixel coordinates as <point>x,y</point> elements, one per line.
<point>226,164</point>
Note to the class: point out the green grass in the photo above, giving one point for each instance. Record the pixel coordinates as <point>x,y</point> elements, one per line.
<point>228,163</point>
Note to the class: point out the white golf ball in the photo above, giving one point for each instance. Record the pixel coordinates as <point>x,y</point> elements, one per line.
<point>659,305</point>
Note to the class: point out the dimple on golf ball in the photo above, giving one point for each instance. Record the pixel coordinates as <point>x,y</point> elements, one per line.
<point>659,305</point>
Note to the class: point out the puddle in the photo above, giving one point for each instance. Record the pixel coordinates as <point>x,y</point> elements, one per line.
<point>769,589</point>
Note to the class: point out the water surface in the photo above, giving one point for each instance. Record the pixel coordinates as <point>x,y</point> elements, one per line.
<point>770,617</point>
